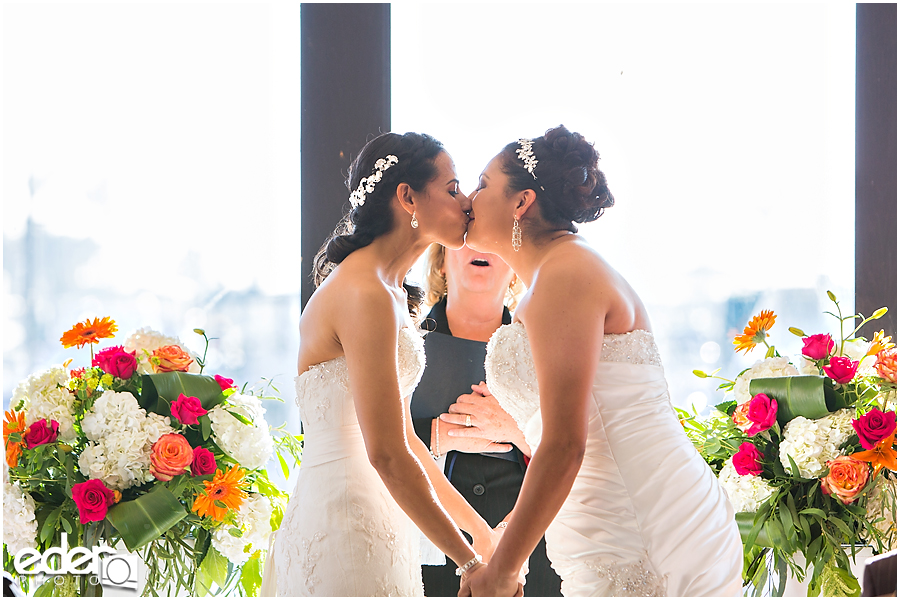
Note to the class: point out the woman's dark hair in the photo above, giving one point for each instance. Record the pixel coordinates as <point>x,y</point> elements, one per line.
<point>574,188</point>
<point>415,166</point>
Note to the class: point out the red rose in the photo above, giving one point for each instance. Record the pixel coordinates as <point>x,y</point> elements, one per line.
<point>41,432</point>
<point>115,361</point>
<point>187,408</point>
<point>204,462</point>
<point>93,499</point>
<point>818,346</point>
<point>872,427</point>
<point>841,369</point>
<point>762,411</point>
<point>224,382</point>
<point>748,460</point>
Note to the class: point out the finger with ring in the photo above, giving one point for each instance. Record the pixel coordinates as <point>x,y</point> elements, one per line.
<point>468,420</point>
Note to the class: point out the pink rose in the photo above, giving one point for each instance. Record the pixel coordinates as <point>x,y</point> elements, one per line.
<point>224,382</point>
<point>818,346</point>
<point>93,499</point>
<point>741,417</point>
<point>846,478</point>
<point>872,428</point>
<point>41,432</point>
<point>762,410</point>
<point>204,462</point>
<point>187,408</point>
<point>748,460</point>
<point>115,361</point>
<point>841,369</point>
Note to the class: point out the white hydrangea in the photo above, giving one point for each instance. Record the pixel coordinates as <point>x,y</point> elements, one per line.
<point>777,366</point>
<point>254,520</point>
<point>746,492</point>
<point>806,366</point>
<point>856,350</point>
<point>122,435</point>
<point>19,524</point>
<point>249,445</point>
<point>812,443</point>
<point>145,340</point>
<point>46,397</point>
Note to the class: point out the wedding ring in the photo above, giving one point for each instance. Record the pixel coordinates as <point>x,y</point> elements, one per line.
<point>468,420</point>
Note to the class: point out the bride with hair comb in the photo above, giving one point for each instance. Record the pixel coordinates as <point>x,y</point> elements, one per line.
<point>629,506</point>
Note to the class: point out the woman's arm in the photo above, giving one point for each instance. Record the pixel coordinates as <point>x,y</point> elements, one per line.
<point>368,333</point>
<point>563,313</point>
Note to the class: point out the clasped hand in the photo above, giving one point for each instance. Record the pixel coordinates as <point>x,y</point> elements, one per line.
<point>477,423</point>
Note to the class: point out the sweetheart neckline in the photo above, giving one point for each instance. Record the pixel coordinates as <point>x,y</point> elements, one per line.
<point>319,365</point>
<point>605,335</point>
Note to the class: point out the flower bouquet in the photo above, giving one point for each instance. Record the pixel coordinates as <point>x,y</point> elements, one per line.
<point>139,448</point>
<point>805,449</point>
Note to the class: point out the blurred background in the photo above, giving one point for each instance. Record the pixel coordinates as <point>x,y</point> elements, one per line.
<point>151,164</point>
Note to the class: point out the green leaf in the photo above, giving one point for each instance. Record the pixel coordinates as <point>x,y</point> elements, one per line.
<point>146,518</point>
<point>235,532</point>
<point>46,589</point>
<point>251,575</point>
<point>160,390</point>
<point>284,466</point>
<point>205,427</point>
<point>815,512</point>
<point>50,525</point>
<point>787,523</point>
<point>240,417</point>
<point>795,470</point>
<point>216,566</point>
<point>809,396</point>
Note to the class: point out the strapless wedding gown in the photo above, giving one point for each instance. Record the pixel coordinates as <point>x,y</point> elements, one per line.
<point>343,534</point>
<point>646,515</point>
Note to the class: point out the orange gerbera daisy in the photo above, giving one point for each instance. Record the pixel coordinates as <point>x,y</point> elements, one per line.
<point>882,455</point>
<point>222,493</point>
<point>14,424</point>
<point>89,332</point>
<point>755,332</point>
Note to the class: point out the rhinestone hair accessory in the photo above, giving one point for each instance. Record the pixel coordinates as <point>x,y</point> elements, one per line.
<point>526,155</point>
<point>367,184</point>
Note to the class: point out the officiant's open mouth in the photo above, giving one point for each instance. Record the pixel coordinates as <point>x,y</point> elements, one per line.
<point>480,262</point>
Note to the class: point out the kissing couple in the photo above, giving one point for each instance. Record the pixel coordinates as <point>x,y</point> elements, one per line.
<point>627,505</point>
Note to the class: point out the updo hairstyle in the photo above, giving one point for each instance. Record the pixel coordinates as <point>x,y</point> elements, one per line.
<point>416,153</point>
<point>575,188</point>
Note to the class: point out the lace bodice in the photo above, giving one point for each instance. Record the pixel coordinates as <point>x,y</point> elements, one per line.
<point>318,385</point>
<point>512,379</point>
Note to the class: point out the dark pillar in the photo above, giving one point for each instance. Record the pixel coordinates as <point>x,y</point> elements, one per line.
<point>876,164</point>
<point>345,100</point>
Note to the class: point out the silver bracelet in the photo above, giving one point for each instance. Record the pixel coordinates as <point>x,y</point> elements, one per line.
<point>475,560</point>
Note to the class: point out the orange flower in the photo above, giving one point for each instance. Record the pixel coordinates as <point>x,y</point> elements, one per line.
<point>170,455</point>
<point>882,455</point>
<point>755,332</point>
<point>14,423</point>
<point>89,332</point>
<point>879,343</point>
<point>846,478</point>
<point>222,493</point>
<point>170,358</point>
<point>886,365</point>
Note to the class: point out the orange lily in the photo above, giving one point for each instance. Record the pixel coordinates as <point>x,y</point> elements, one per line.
<point>14,423</point>
<point>882,455</point>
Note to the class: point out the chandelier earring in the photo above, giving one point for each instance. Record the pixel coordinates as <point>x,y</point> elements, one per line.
<point>415,222</point>
<point>516,234</point>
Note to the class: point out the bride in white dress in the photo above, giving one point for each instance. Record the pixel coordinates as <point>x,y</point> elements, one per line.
<point>628,505</point>
<point>366,480</point>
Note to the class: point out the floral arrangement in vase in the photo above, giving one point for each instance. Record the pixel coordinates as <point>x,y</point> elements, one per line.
<point>805,449</point>
<point>141,448</point>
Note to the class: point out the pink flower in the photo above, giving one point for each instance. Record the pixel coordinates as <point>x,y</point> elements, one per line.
<point>846,478</point>
<point>41,432</point>
<point>93,499</point>
<point>841,369</point>
<point>115,361</point>
<point>748,460</point>
<point>186,409</point>
<point>224,382</point>
<point>204,462</point>
<point>818,346</point>
<point>872,428</point>
<point>762,410</point>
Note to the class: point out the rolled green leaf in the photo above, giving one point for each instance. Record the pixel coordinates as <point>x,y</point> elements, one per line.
<point>745,524</point>
<point>146,518</point>
<point>160,390</point>
<point>809,396</point>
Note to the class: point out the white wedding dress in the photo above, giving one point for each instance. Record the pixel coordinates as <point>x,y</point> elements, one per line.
<point>343,534</point>
<point>646,515</point>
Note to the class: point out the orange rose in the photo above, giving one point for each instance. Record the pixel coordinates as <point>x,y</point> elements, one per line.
<point>846,478</point>
<point>887,364</point>
<point>741,417</point>
<point>171,455</point>
<point>171,358</point>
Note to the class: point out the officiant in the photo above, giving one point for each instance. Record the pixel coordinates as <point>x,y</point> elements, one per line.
<point>484,455</point>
